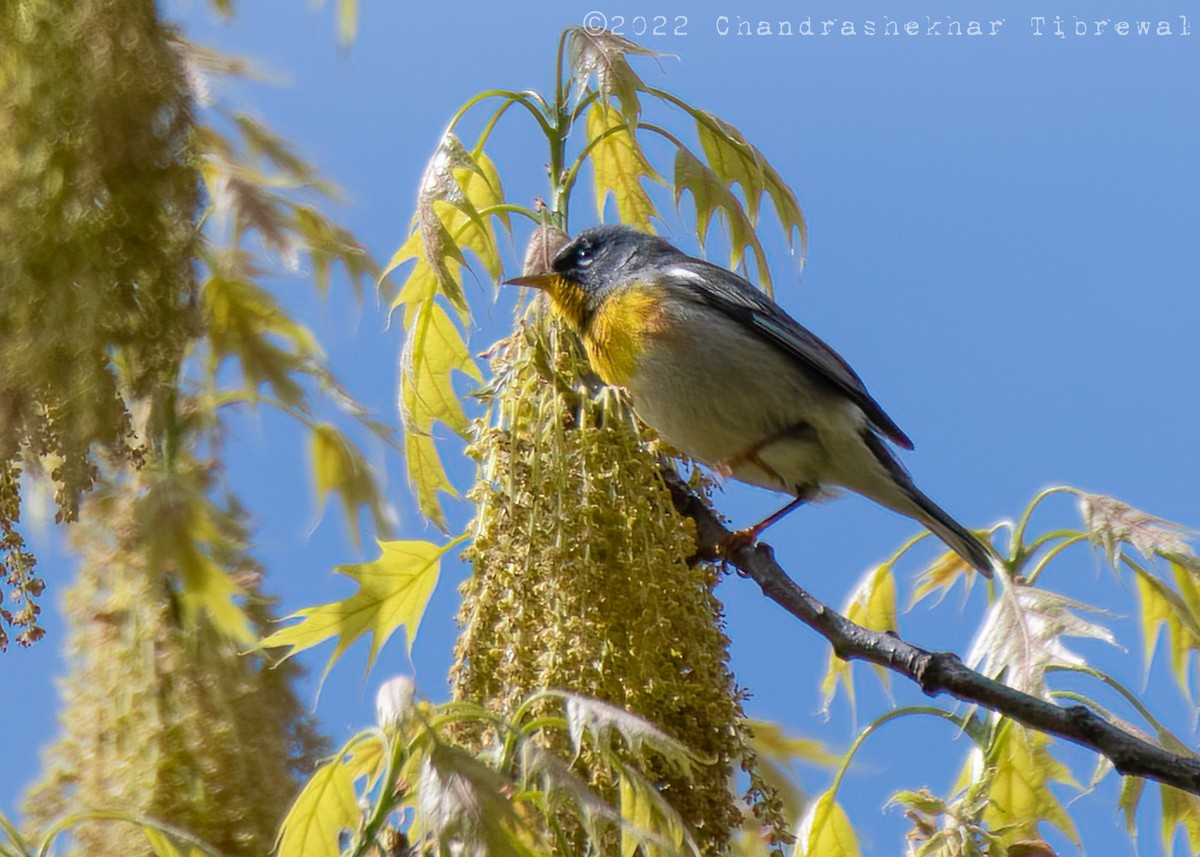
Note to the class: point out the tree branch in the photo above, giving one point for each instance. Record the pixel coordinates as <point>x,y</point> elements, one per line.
<point>935,672</point>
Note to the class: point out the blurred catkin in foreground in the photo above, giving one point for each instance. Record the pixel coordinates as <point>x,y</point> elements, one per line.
<point>98,202</point>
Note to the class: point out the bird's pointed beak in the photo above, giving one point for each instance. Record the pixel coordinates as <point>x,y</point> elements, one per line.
<point>537,281</point>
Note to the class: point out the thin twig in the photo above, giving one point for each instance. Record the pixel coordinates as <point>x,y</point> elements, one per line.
<point>934,672</point>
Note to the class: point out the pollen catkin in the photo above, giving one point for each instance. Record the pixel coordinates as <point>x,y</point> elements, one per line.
<point>580,574</point>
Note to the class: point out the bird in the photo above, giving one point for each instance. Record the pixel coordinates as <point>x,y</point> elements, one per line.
<point>727,377</point>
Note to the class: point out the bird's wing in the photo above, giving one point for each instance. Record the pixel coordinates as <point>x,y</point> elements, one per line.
<point>735,297</point>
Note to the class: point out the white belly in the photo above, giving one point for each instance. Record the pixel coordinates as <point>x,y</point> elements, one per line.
<point>744,407</point>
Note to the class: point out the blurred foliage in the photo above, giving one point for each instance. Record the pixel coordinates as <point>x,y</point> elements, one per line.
<point>112,295</point>
<point>517,794</point>
<point>98,206</point>
<point>164,718</point>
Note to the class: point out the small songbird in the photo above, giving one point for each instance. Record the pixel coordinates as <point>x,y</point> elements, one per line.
<point>730,379</point>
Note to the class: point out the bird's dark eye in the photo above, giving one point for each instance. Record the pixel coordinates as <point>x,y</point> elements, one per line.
<point>583,256</point>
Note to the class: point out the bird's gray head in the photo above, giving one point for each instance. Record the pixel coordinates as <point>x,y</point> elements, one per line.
<point>595,262</point>
<point>606,256</point>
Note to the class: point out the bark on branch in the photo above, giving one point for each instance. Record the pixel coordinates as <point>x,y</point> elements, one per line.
<point>934,672</point>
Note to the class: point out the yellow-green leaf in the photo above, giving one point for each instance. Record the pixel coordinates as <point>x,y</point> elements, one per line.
<point>710,196</point>
<point>618,167</point>
<point>1020,797</point>
<point>1180,808</point>
<point>339,466</point>
<point>325,807</point>
<point>347,21</point>
<point>1131,796</point>
<point>873,605</point>
<point>393,592</point>
<point>733,159</point>
<point>941,576</point>
<point>434,350</point>
<point>208,588</point>
<point>1160,606</point>
<point>826,831</point>
<point>427,476</point>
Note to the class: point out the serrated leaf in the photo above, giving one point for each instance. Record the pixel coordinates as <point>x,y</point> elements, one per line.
<point>339,466</point>
<point>182,531</point>
<point>1022,635</point>
<point>427,476</point>
<point>393,593</point>
<point>826,831</point>
<point>209,589</point>
<point>733,161</point>
<point>329,243</point>
<point>461,800</point>
<point>1132,789</point>
<point>1020,796</point>
<point>941,576</point>
<point>618,167</point>
<point>649,822</point>
<point>1159,606</point>
<point>244,322</point>
<point>1180,809</point>
<point>601,720</point>
<point>1111,523</point>
<point>434,350</point>
<point>603,54</point>
<point>872,604</point>
<point>325,807</point>
<point>711,196</point>
<point>421,284</point>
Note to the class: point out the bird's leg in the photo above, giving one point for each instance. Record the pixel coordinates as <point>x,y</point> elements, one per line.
<point>748,536</point>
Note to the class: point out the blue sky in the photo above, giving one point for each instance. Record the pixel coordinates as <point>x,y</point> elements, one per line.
<point>1002,242</point>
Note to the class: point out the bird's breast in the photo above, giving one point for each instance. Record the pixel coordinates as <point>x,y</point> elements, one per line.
<point>620,331</point>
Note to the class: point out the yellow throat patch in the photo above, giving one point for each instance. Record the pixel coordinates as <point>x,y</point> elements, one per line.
<point>616,333</point>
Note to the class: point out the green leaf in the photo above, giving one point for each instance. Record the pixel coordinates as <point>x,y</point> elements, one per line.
<point>649,822</point>
<point>246,323</point>
<point>733,159</point>
<point>325,808</point>
<point>433,352</point>
<point>393,592</point>
<point>1020,797</point>
<point>421,284</point>
<point>182,532</point>
<point>872,604</point>
<point>826,831</point>
<point>618,167</point>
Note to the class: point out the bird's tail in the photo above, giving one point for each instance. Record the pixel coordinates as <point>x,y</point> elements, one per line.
<point>903,496</point>
<point>957,537</point>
